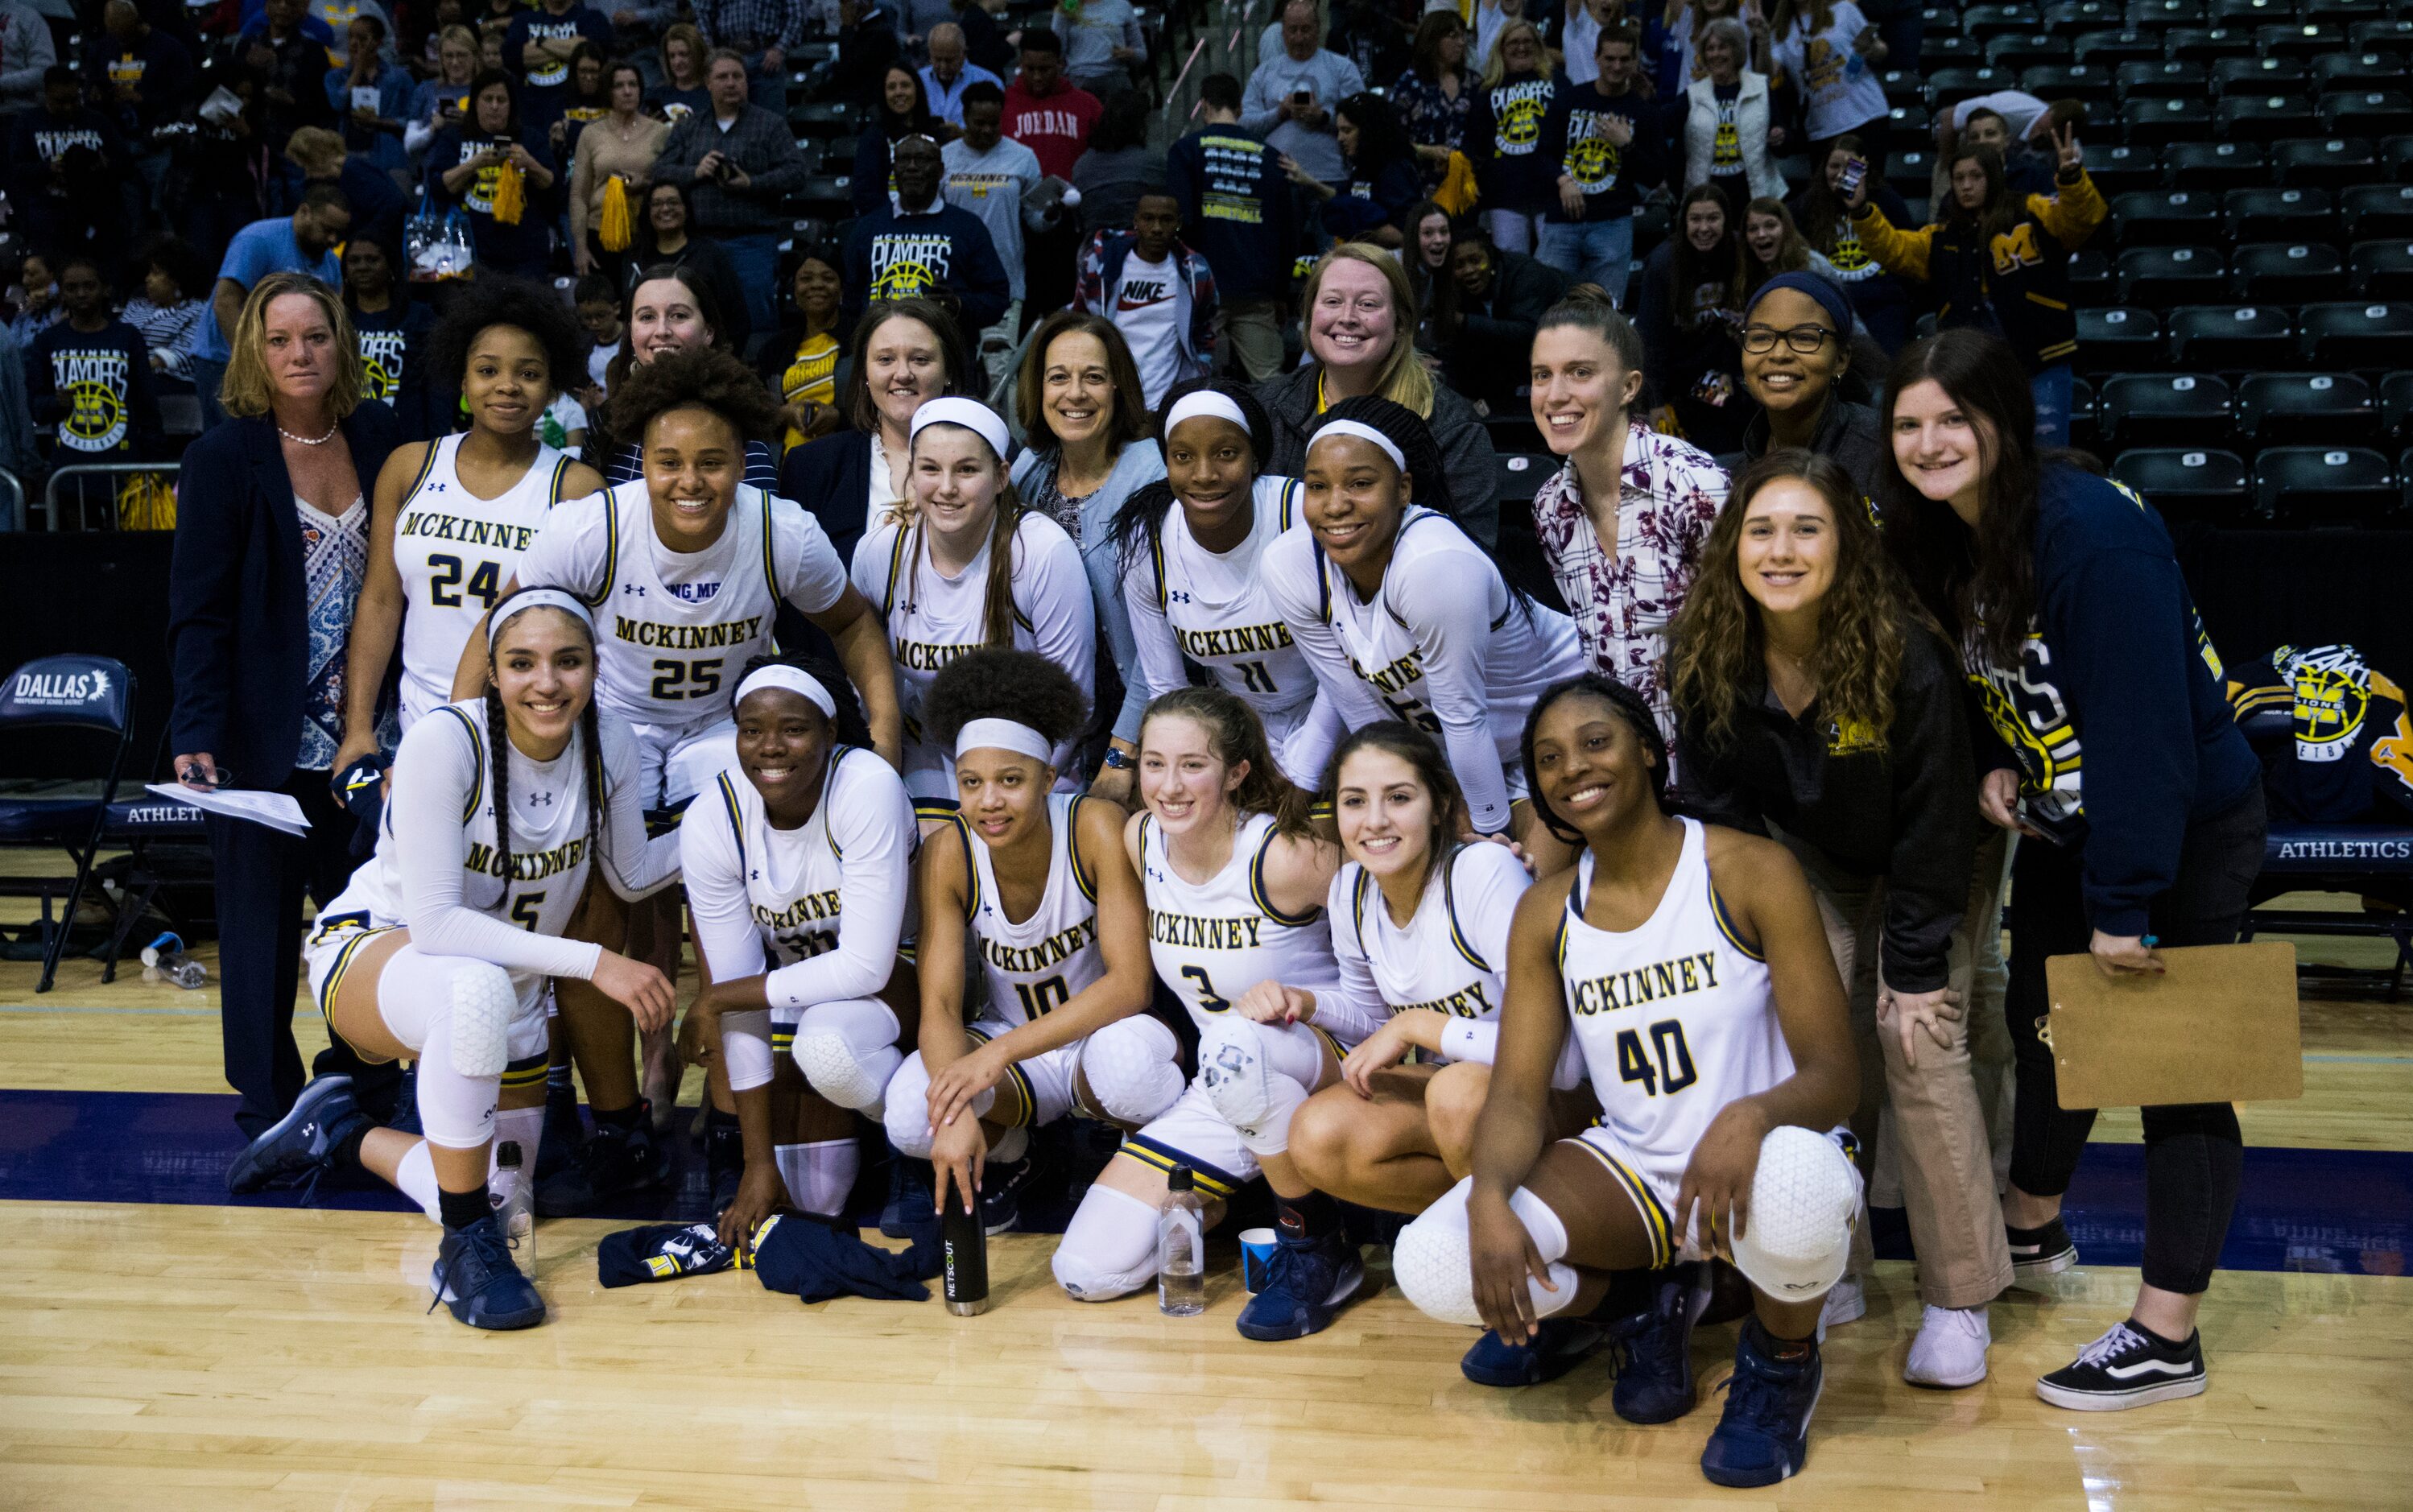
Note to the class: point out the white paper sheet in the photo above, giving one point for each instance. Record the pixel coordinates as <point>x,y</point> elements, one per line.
<point>277,811</point>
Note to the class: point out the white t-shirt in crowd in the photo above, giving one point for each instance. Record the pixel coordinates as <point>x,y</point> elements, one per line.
<point>1147,311</point>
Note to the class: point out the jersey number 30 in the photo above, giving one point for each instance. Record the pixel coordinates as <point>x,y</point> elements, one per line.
<point>1673,1069</point>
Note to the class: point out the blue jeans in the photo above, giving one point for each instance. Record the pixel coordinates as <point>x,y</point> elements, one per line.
<point>2053,392</point>
<point>767,87</point>
<point>1591,252</point>
<point>755,257</point>
<point>207,375</point>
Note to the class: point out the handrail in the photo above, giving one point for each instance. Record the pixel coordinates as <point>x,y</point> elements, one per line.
<point>51,488</point>
<point>17,486</point>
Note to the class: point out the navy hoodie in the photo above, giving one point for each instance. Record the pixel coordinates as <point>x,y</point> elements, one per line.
<point>891,254</point>
<point>1235,210</point>
<point>1515,172</point>
<point>2114,717</point>
<point>1612,178</point>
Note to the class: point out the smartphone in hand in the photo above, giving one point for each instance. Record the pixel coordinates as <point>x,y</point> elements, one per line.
<point>1855,172</point>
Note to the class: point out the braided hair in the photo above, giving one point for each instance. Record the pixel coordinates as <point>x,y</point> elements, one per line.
<point>1427,473</point>
<point>1628,705</point>
<point>498,749</point>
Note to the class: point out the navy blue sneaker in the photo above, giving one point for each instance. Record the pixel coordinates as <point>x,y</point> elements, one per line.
<point>1002,1184</point>
<point>613,1163</point>
<point>477,1278</point>
<point>1306,1280</point>
<point>405,1103</point>
<point>1654,1368</point>
<point>1563,1345</point>
<point>564,1134</point>
<point>1765,1436</point>
<point>913,1205</point>
<point>299,1145</point>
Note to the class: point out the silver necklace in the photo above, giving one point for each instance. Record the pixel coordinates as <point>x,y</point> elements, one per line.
<point>311,441</point>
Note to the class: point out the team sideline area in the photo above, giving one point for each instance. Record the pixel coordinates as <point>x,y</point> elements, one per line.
<point>163,1347</point>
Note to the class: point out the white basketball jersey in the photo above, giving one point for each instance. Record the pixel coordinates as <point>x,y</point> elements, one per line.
<point>674,629</point>
<point>1675,1019</point>
<point>792,876</point>
<point>1222,618</point>
<point>456,551</point>
<point>1211,941</point>
<point>1044,961</point>
<point>550,849</point>
<point>1433,961</point>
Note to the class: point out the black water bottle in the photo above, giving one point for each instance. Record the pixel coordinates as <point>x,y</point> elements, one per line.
<point>967,1244</point>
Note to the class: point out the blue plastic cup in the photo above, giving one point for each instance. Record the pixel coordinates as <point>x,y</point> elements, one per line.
<point>1256,1257</point>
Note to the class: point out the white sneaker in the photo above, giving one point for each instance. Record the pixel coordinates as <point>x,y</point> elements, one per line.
<point>1846,1302</point>
<point>1951,1349</point>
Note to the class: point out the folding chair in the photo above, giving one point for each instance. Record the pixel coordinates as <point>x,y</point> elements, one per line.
<point>67,692</point>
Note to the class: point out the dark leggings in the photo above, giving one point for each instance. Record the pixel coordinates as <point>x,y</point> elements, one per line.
<point>2194,1153</point>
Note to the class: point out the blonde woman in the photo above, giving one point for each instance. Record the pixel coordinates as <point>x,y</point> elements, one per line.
<point>1360,322</point>
<point>1518,180</point>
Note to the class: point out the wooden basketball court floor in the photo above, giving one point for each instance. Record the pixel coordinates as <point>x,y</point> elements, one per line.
<point>191,1352</point>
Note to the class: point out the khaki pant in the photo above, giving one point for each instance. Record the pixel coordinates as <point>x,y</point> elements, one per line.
<point>1934,1127</point>
<point>1252,333</point>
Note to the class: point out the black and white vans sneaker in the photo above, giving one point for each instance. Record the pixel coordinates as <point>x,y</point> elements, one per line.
<point>2128,1367</point>
<point>2046,1249</point>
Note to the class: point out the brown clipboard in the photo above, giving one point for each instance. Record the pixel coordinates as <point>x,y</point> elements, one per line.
<point>2218,1025</point>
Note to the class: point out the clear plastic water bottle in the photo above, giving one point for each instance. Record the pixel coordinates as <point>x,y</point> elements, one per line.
<point>513,1198</point>
<point>1181,1249</point>
<point>164,961</point>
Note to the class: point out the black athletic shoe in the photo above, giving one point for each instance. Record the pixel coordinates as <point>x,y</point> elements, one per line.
<point>913,1205</point>
<point>476,1277</point>
<point>2043,1250</point>
<point>614,1162</point>
<point>1002,1184</point>
<point>1306,1282</point>
<point>2126,1368</point>
<point>724,1164</point>
<point>1563,1345</point>
<point>1654,1368</point>
<point>405,1103</point>
<point>299,1145</point>
<point>1764,1437</point>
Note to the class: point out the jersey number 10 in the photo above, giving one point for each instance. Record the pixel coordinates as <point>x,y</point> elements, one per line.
<point>1038,997</point>
<point>1674,1070</point>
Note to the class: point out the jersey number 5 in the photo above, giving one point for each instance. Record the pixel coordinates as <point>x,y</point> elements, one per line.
<point>1674,1070</point>
<point>1207,997</point>
<point>525,909</point>
<point>444,588</point>
<point>687,680</point>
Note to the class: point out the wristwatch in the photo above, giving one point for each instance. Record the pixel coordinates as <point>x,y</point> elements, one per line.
<point>1117,762</point>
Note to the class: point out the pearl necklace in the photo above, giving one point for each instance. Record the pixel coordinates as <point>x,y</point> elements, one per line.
<point>311,441</point>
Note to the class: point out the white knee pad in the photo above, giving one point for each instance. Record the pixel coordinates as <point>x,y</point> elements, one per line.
<point>1133,1069</point>
<point>819,1176</point>
<point>483,1005</point>
<point>848,1051</point>
<point>746,1050</point>
<point>1109,1248</point>
<point>907,1114</point>
<point>1432,1262</point>
<point>1256,1075</point>
<point>1805,1199</point>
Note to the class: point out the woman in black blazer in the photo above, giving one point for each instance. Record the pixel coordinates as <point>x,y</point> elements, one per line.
<point>905,351</point>
<point>270,546</point>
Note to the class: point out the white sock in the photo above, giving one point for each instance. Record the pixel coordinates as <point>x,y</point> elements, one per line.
<point>416,1176</point>
<point>819,1175</point>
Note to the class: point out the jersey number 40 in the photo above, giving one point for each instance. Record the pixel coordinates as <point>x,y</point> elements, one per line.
<point>1673,1069</point>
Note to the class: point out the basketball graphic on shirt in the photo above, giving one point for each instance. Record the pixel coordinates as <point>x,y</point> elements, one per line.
<point>91,386</point>
<point>382,353</point>
<point>1593,162</point>
<point>1520,108</point>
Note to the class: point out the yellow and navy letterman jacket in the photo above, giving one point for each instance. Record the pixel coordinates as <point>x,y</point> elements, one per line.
<point>2022,275</point>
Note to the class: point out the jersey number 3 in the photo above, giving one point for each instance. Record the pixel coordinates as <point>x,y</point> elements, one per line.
<point>1673,1069</point>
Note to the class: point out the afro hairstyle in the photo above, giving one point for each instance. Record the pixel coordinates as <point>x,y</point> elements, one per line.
<point>491,299</point>
<point>992,684</point>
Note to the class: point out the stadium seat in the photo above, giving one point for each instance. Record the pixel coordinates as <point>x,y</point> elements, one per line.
<point>1910,173</point>
<point>2152,79</point>
<point>2381,270</point>
<point>1904,86</point>
<point>2260,117</point>
<point>2266,215</point>
<point>2371,112</point>
<point>2349,12</point>
<point>2154,123</point>
<point>2252,12</point>
<point>1910,123</point>
<point>2396,34</point>
<point>2166,217</point>
<point>2352,69</point>
<point>2286,272</point>
<point>2331,163</point>
<point>2117,341</point>
<point>2304,409</point>
<point>2015,52</point>
<point>2110,48</point>
<point>2120,169</point>
<point>823,118</point>
<point>2073,81</point>
<point>2228,339</point>
<point>2377,211</point>
<point>2081,414</point>
<point>1949,49</point>
<point>2091,283</point>
<point>2069,18</point>
<point>2162,410</point>
<point>2199,44</point>
<point>2192,482</point>
<point>2160,15</point>
<point>1948,87</point>
<point>2349,334</point>
<point>2325,485</point>
<point>2257,75</point>
<point>2215,166</point>
<point>2165,277</point>
<point>1982,21</point>
<point>2396,159</point>
<point>2304,39</point>
<point>2396,405</point>
<point>93,695</point>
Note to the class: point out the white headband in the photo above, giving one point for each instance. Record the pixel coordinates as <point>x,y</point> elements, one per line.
<point>1207,402</point>
<point>1364,432</point>
<point>974,416</point>
<point>1003,734</point>
<point>537,599</point>
<point>795,681</point>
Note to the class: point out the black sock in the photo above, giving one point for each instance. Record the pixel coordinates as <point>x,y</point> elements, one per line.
<point>2171,1346</point>
<point>1784,1351</point>
<point>624,1120</point>
<point>459,1210</point>
<point>557,1082</point>
<point>346,1156</point>
<point>1303,1218</point>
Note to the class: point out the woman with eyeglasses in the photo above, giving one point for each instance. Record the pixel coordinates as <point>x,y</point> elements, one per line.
<point>1797,346</point>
